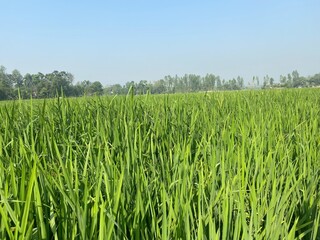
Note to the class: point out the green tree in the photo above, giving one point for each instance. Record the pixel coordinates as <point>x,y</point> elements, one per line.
<point>297,81</point>
<point>271,81</point>
<point>219,84</point>
<point>142,87</point>
<point>128,86</point>
<point>240,82</point>
<point>209,82</point>
<point>169,82</point>
<point>314,80</point>
<point>6,90</point>
<point>283,80</point>
<point>266,81</point>
<point>17,78</point>
<point>60,81</point>
<point>159,87</point>
<point>194,82</point>
<point>40,86</point>
<point>96,88</point>
<point>289,81</point>
<point>114,89</point>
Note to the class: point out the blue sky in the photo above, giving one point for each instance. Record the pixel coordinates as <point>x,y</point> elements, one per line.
<point>120,41</point>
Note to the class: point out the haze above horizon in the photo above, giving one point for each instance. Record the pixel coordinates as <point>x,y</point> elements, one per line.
<point>121,41</point>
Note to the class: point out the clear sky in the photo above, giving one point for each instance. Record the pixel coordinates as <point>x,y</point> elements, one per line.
<point>119,41</point>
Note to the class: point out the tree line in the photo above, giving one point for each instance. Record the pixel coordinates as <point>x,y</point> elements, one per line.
<point>14,85</point>
<point>186,83</point>
<point>211,82</point>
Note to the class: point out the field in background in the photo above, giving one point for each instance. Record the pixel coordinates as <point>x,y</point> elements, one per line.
<point>221,165</point>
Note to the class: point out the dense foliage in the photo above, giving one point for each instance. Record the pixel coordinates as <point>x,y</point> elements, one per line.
<point>14,85</point>
<point>210,82</point>
<point>221,165</point>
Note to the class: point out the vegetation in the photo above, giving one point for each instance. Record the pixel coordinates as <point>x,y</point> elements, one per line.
<point>211,82</point>
<point>221,165</point>
<point>14,85</point>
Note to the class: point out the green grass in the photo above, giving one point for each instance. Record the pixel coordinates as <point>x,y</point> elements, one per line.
<point>221,165</point>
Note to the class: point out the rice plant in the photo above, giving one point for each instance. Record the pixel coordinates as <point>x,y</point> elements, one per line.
<point>220,165</point>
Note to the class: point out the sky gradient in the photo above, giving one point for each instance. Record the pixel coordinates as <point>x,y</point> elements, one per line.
<point>120,41</point>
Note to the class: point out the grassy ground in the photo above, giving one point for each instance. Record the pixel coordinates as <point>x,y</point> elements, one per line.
<point>220,165</point>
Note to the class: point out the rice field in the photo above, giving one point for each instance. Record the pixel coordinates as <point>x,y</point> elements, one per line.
<point>218,165</point>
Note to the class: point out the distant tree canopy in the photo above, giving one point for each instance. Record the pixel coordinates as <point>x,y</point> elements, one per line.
<point>210,82</point>
<point>13,85</point>
<point>41,85</point>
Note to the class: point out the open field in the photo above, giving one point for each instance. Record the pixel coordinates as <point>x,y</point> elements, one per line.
<point>220,165</point>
